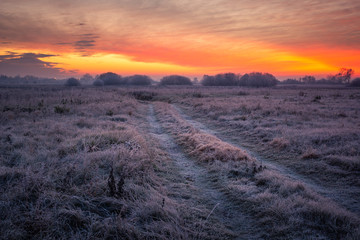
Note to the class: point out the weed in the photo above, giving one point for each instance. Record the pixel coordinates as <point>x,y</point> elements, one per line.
<point>111,183</point>
<point>242,93</point>
<point>109,113</point>
<point>61,110</point>
<point>143,95</point>
<point>197,95</point>
<point>120,186</point>
<point>317,98</point>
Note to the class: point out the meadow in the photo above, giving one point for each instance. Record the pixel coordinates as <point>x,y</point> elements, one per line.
<point>179,162</point>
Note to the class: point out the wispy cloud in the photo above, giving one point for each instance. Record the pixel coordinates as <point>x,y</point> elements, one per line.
<point>86,43</point>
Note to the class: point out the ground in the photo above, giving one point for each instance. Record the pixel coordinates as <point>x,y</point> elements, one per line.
<point>179,163</point>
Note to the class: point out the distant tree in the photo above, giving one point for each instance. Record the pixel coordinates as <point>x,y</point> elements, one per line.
<point>257,79</point>
<point>355,82</point>
<point>291,81</point>
<point>208,80</point>
<point>244,80</point>
<point>227,79</point>
<point>98,83</point>
<point>86,79</point>
<point>138,80</point>
<point>308,79</point>
<point>346,74</point>
<point>72,82</point>
<point>110,78</point>
<point>332,79</point>
<point>175,80</point>
<point>222,79</point>
<point>343,76</point>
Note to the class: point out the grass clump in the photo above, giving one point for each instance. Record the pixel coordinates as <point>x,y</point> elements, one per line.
<point>61,109</point>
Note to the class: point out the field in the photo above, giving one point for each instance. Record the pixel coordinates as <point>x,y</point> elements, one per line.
<point>179,163</point>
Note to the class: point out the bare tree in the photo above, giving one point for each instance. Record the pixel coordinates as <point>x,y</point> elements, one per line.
<point>308,79</point>
<point>346,74</point>
<point>343,76</point>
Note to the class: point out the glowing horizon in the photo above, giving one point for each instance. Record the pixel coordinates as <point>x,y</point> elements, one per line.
<point>191,38</point>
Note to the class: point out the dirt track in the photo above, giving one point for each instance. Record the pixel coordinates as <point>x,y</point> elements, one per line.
<point>196,188</point>
<point>340,197</point>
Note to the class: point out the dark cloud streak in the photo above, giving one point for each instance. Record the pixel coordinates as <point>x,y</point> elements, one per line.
<point>13,64</point>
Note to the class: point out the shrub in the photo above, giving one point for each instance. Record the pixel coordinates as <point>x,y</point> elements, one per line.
<point>72,82</point>
<point>110,78</point>
<point>175,80</point>
<point>138,80</point>
<point>355,82</point>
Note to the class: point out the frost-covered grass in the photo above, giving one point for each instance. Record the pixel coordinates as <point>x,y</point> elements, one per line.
<point>283,207</point>
<point>80,163</point>
<point>55,169</point>
<point>315,131</point>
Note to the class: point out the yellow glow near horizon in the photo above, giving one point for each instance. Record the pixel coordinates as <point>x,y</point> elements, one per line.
<point>265,58</point>
<point>100,63</point>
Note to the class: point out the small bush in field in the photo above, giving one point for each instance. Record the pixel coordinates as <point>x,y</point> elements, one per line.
<point>61,110</point>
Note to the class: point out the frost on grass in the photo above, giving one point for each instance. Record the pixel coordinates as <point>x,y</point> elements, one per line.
<point>204,147</point>
<point>285,208</point>
<point>54,169</point>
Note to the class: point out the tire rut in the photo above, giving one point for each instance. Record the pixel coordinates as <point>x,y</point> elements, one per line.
<point>197,180</point>
<point>340,197</point>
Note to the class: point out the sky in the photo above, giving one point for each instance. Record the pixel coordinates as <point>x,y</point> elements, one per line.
<point>292,38</point>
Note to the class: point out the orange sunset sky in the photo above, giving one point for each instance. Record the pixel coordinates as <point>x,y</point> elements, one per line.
<point>292,38</point>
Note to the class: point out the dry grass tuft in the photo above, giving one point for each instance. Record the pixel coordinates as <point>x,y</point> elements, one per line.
<point>205,147</point>
<point>310,154</point>
<point>279,143</point>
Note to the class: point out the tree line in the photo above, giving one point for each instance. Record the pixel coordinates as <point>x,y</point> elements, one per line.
<point>254,79</point>
<point>342,77</point>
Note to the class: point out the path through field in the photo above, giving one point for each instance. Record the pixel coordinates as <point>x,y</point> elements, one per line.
<point>340,197</point>
<point>196,188</point>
